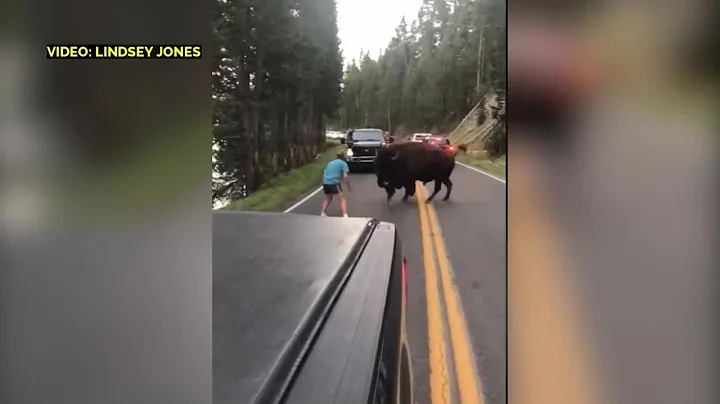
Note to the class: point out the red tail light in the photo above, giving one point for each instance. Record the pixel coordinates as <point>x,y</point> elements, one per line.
<point>404,282</point>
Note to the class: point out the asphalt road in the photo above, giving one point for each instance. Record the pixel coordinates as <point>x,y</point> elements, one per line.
<point>473,228</point>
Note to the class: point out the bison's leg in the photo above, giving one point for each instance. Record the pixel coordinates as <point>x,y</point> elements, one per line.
<point>438,184</point>
<point>390,191</point>
<point>409,191</point>
<point>448,188</point>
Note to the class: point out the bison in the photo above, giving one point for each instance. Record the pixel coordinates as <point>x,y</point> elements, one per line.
<point>399,165</point>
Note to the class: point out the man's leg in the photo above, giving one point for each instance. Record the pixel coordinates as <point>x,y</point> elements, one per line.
<point>343,205</point>
<point>341,199</point>
<point>328,198</point>
<point>325,203</point>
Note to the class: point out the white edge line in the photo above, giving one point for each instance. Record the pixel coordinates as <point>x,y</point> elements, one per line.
<point>482,172</point>
<point>303,200</point>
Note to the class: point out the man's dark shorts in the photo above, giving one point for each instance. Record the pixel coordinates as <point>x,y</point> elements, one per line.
<point>332,189</point>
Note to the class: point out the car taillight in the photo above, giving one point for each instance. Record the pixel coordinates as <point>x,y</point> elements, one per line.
<point>404,282</point>
<point>451,148</point>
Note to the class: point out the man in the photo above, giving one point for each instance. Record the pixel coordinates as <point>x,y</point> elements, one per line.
<point>335,173</point>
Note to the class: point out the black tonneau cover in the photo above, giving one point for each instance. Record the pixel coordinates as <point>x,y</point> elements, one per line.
<point>274,275</point>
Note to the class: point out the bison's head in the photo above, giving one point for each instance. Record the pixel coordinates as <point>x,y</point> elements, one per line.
<point>386,164</point>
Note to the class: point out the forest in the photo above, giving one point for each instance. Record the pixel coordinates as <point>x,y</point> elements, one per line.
<point>279,81</point>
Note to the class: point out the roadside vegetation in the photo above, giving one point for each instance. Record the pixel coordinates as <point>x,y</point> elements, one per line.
<point>283,190</point>
<point>483,132</point>
<point>479,159</point>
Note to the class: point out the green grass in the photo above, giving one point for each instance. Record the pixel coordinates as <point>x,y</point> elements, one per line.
<point>479,159</point>
<point>280,192</point>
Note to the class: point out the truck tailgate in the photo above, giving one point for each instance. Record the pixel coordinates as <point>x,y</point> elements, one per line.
<point>272,277</point>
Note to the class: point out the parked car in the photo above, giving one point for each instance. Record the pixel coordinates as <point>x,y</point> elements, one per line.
<point>443,143</point>
<point>419,137</point>
<point>308,309</point>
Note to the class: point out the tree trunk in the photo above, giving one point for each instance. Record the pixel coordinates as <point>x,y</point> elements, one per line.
<point>285,131</point>
<point>481,52</point>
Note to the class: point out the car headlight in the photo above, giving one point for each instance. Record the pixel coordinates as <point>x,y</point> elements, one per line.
<point>349,152</point>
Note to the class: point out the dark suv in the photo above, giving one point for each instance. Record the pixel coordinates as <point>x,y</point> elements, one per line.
<point>363,145</point>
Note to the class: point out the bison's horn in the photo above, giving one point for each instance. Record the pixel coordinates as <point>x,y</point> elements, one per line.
<point>396,156</point>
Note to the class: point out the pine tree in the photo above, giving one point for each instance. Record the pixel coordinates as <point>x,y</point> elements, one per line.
<point>277,75</point>
<point>427,77</point>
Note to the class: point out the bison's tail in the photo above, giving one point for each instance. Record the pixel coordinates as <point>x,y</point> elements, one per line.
<point>463,148</point>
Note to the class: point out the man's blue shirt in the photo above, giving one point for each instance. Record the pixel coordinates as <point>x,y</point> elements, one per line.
<point>334,171</point>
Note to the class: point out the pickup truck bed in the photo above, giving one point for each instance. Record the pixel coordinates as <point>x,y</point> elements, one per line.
<point>298,306</point>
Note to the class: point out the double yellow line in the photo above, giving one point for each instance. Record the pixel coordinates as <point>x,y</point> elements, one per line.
<point>464,376</point>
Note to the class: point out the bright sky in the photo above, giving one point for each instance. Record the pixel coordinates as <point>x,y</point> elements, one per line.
<point>370,24</point>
